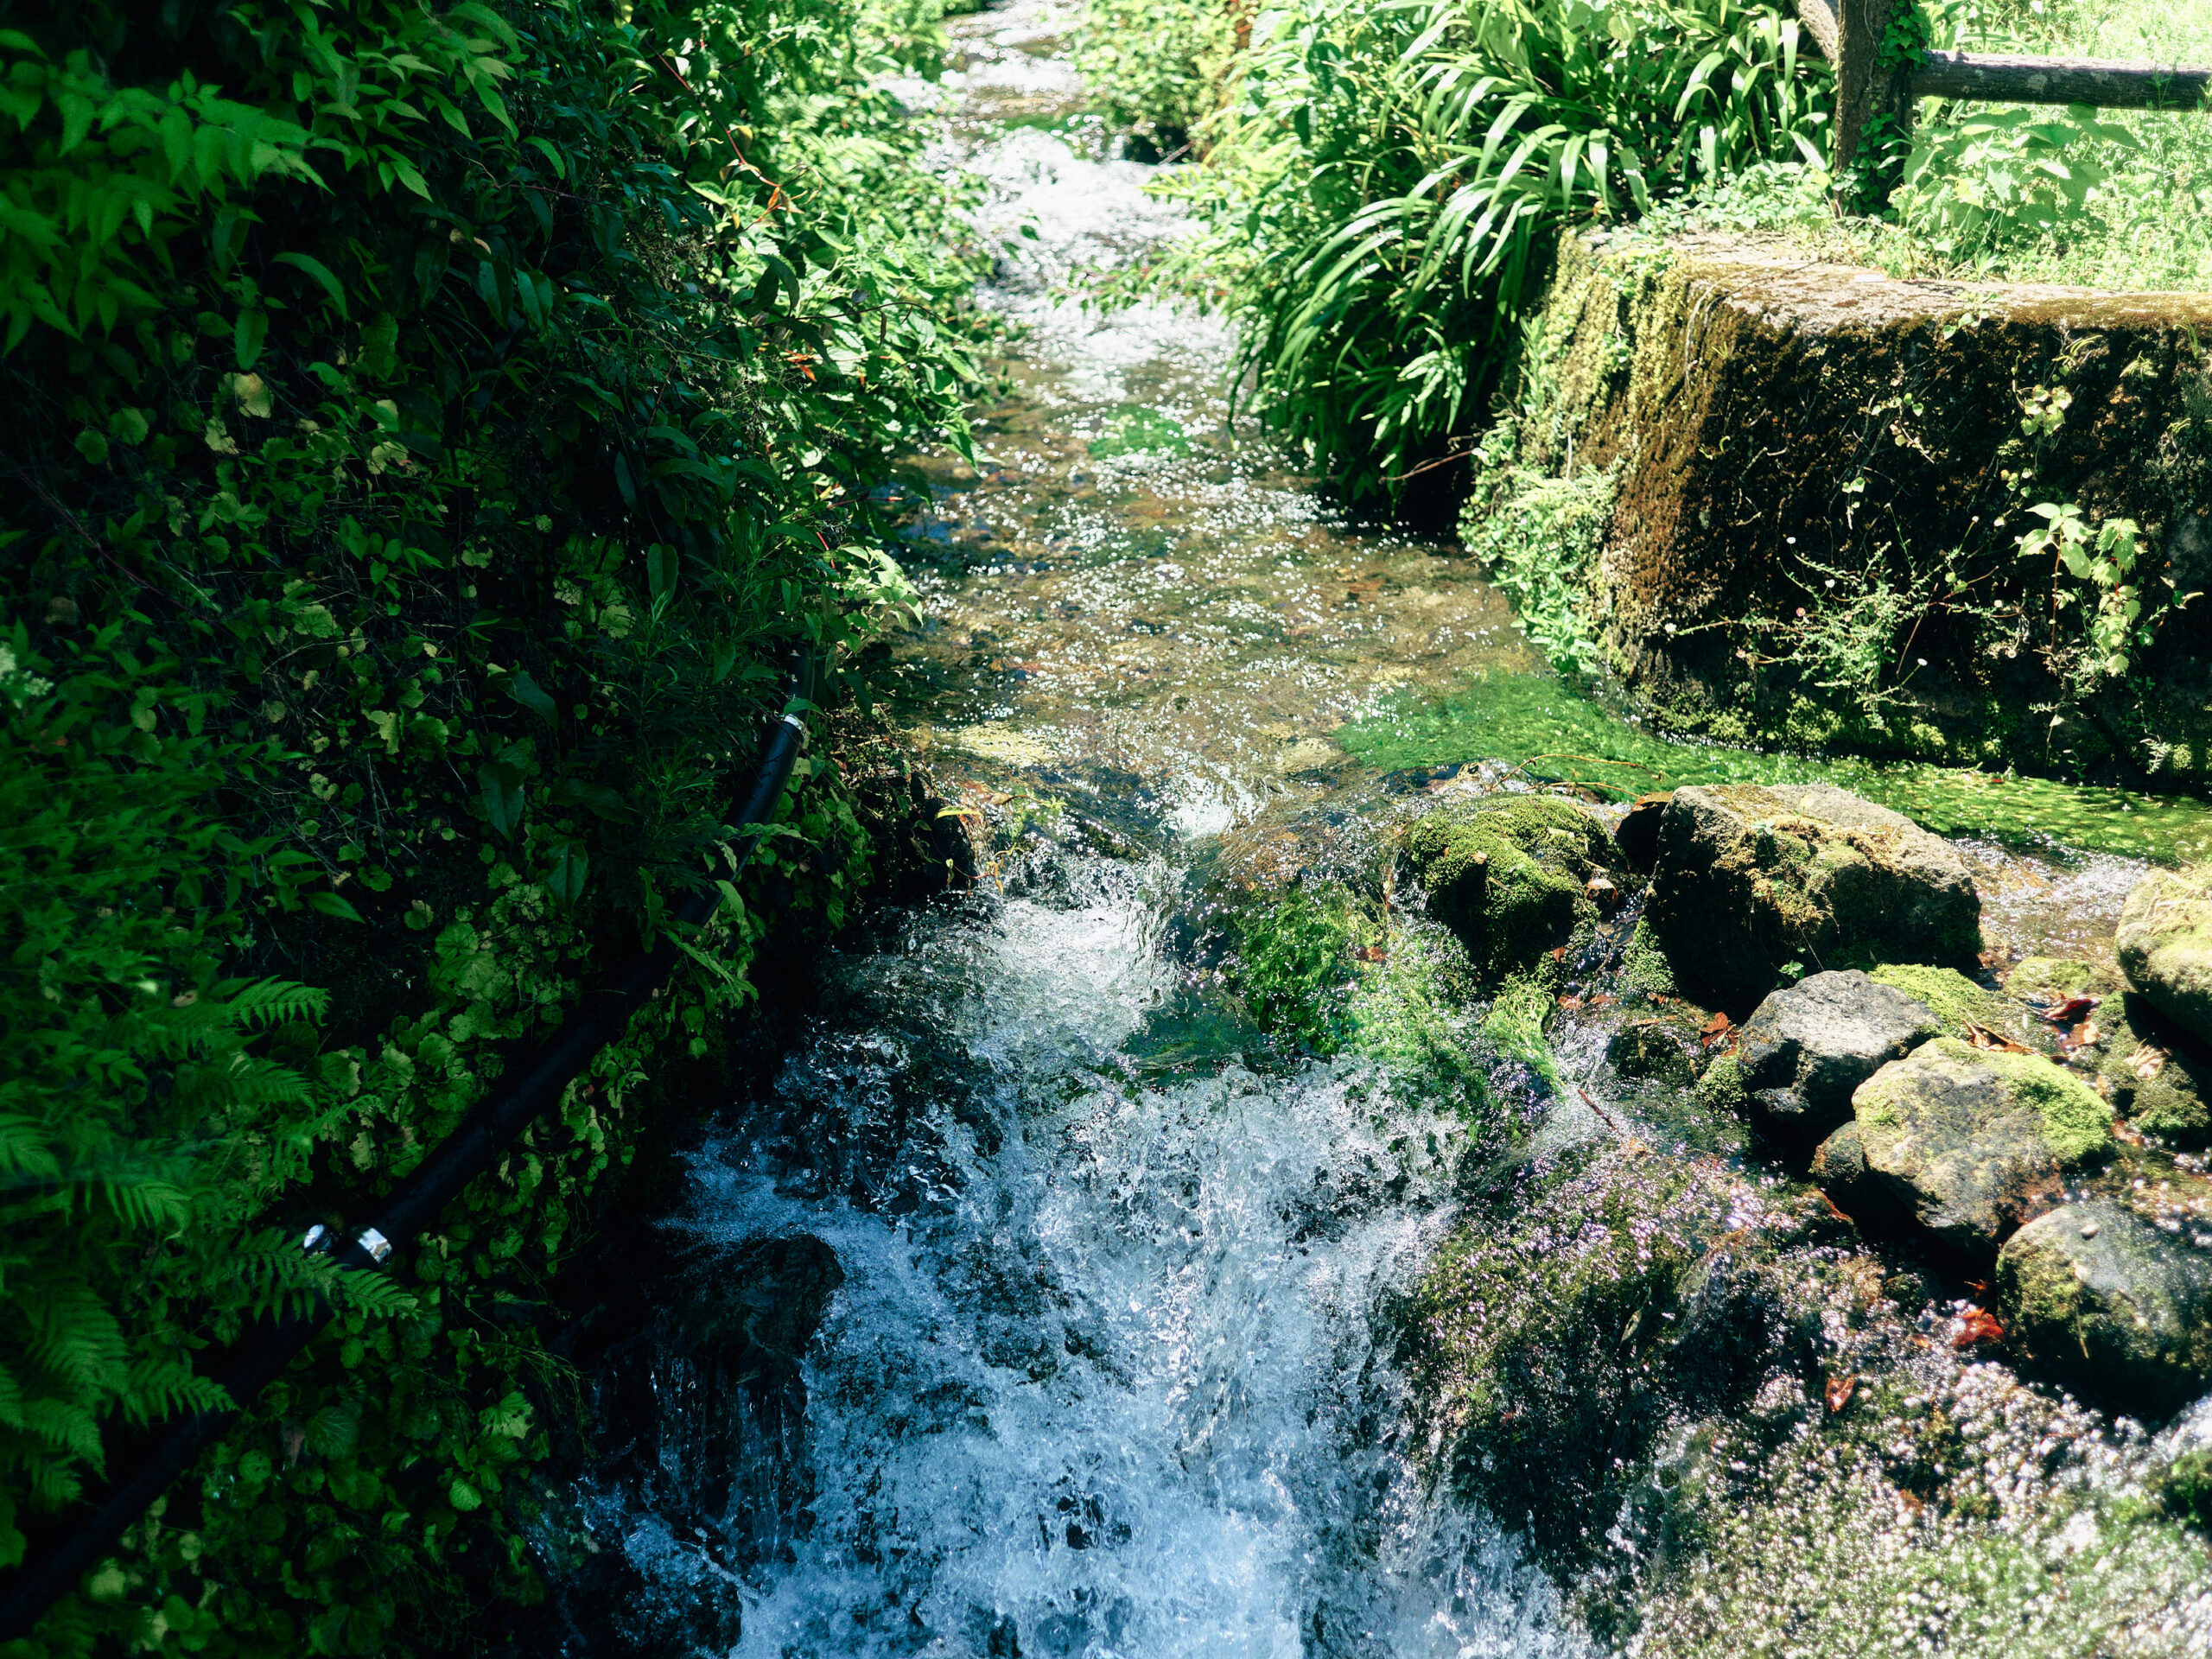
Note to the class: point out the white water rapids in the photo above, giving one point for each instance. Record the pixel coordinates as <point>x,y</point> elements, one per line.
<point>1109,1388</point>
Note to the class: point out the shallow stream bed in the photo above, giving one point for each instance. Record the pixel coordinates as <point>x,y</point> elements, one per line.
<point>1113,1362</point>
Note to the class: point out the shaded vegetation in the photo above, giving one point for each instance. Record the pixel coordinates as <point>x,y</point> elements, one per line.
<point>432,435</point>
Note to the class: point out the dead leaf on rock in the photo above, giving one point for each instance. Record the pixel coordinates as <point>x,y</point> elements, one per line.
<point>1982,1037</point>
<point>2148,1061</point>
<point>1839,1390</point>
<point>2072,1008</point>
<point>1370,953</point>
<point>1977,1326</point>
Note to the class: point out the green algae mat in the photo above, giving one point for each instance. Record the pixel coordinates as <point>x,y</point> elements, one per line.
<point>1542,725</point>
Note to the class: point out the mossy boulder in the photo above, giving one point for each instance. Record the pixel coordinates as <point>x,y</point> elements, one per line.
<point>2165,946</point>
<point>1510,875</point>
<point>2102,1298</point>
<point>1806,1048</point>
<point>2048,980</point>
<point>1976,1141</point>
<point>2158,1076</point>
<point>1753,880</point>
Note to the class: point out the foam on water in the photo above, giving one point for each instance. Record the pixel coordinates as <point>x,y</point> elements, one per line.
<point>1114,1385</point>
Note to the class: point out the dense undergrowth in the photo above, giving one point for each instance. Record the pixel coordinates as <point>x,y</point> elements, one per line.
<point>1381,186</point>
<point>430,435</point>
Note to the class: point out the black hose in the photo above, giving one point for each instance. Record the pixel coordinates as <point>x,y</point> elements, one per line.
<point>412,1207</point>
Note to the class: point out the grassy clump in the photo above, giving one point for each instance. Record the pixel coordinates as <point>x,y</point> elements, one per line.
<point>1384,185</point>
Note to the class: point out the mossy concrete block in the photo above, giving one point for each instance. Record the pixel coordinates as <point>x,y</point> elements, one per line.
<point>1805,1049</point>
<point>2165,946</point>
<point>1976,1141</point>
<point>1725,382</point>
<point>2099,1297</point>
<point>1508,875</point>
<point>1751,878</point>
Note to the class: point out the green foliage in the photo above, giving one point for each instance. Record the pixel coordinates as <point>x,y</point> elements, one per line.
<point>2112,601</point>
<point>431,434</point>
<point>1537,538</point>
<point>1158,65</point>
<point>1382,194</point>
<point>1996,178</point>
<point>1295,961</point>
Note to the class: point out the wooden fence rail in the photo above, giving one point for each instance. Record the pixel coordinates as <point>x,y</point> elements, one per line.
<point>1849,32</point>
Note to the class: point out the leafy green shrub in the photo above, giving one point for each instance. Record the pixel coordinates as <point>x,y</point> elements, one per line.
<point>1384,187</point>
<point>1994,179</point>
<point>1158,65</point>
<point>431,434</point>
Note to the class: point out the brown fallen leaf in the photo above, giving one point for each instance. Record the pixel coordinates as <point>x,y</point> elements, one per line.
<point>1604,1000</point>
<point>1839,1390</point>
<point>1982,1037</point>
<point>1570,1003</point>
<point>2060,1014</point>
<point>2148,1061</point>
<point>2085,1034</point>
<point>1370,953</point>
<point>1975,1327</point>
<point>2125,1131</point>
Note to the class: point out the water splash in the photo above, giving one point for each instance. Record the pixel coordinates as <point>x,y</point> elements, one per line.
<point>1106,1376</point>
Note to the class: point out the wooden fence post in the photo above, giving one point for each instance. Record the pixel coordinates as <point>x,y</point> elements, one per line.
<point>1849,35</point>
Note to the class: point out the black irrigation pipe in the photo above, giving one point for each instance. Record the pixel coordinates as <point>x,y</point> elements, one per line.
<point>412,1207</point>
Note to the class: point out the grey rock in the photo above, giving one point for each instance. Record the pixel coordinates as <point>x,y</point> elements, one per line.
<point>1807,1048</point>
<point>1976,1141</point>
<point>2102,1298</point>
<point>1750,879</point>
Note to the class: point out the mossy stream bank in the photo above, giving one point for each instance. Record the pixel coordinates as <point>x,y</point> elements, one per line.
<point>1290,1202</point>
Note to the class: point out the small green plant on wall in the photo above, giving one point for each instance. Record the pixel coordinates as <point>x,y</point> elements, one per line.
<point>2104,557</point>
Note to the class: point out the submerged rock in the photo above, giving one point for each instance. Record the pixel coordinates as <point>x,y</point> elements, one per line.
<point>2165,946</point>
<point>2096,1295</point>
<point>1750,880</point>
<point>1975,1141</point>
<point>1807,1048</point>
<point>1510,875</point>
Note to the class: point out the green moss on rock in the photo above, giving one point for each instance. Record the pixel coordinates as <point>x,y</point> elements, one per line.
<point>1508,876</point>
<point>1977,1140</point>
<point>2165,946</point>
<point>1950,996</point>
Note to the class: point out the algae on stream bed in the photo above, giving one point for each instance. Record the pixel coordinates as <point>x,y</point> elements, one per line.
<point>1538,724</point>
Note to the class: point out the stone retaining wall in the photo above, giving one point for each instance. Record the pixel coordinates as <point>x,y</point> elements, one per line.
<point>1763,414</point>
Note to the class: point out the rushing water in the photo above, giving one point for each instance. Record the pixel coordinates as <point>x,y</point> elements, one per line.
<point>1109,1371</point>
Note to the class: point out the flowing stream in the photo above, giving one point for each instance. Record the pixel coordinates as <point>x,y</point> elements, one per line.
<point>1108,1370</point>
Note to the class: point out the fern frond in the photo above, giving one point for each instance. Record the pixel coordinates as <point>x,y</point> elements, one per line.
<point>164,1388</point>
<point>257,1004</point>
<point>74,1333</point>
<point>24,1150</point>
<point>66,1426</point>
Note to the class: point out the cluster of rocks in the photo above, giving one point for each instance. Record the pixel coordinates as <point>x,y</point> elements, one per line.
<point>1917,1100</point>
